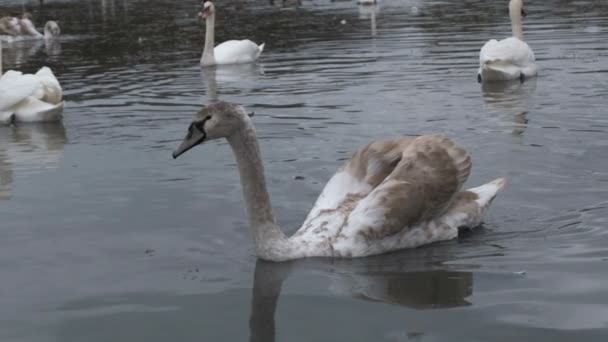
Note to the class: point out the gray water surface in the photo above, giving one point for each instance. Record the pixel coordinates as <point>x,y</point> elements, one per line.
<point>103,237</point>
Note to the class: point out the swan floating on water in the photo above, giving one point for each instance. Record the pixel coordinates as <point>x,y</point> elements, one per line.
<point>29,97</point>
<point>16,29</point>
<point>392,194</point>
<point>510,58</point>
<point>228,52</point>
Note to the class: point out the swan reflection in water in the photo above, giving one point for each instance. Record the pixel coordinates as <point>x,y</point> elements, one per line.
<point>220,78</point>
<point>370,11</point>
<point>428,289</point>
<point>20,52</point>
<point>28,147</point>
<point>511,99</point>
<point>221,312</point>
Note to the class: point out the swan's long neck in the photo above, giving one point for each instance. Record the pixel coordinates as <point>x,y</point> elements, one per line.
<point>29,28</point>
<point>208,57</point>
<point>516,22</point>
<point>47,33</point>
<point>247,152</point>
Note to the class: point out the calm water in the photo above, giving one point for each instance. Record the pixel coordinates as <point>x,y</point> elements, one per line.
<point>103,237</point>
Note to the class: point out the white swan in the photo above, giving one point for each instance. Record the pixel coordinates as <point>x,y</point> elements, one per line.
<point>228,52</point>
<point>17,29</point>
<point>29,98</point>
<point>392,194</point>
<point>510,58</point>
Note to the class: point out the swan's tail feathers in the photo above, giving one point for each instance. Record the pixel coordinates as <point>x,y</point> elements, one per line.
<point>260,49</point>
<point>499,70</point>
<point>469,206</point>
<point>487,192</point>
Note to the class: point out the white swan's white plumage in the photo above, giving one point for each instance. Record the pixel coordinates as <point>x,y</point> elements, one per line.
<point>510,58</point>
<point>393,193</point>
<point>237,51</point>
<point>228,52</point>
<point>30,98</point>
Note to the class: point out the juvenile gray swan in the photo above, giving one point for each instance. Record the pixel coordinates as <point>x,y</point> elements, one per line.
<point>393,193</point>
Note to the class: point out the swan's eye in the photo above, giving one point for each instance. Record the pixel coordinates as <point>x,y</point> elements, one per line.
<point>523,13</point>
<point>201,124</point>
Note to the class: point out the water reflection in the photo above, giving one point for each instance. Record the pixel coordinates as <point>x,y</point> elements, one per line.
<point>155,316</point>
<point>510,99</point>
<point>428,289</point>
<point>26,148</point>
<point>285,3</point>
<point>220,78</point>
<point>370,11</point>
<point>20,52</point>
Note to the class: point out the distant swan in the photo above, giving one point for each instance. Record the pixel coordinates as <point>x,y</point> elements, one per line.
<point>29,98</point>
<point>392,194</point>
<point>510,58</point>
<point>228,52</point>
<point>16,29</point>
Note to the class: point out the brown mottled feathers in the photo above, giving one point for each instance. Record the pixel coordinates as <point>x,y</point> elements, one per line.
<point>376,160</point>
<point>413,179</point>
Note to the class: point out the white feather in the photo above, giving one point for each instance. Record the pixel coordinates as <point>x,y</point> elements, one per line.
<point>506,59</point>
<point>30,98</point>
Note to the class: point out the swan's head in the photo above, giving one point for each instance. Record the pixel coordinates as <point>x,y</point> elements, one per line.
<point>215,121</point>
<point>208,10</point>
<point>51,29</point>
<point>517,7</point>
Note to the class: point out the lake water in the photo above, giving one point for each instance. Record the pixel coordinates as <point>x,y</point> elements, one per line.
<point>103,237</point>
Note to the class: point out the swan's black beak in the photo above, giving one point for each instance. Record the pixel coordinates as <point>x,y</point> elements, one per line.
<point>196,135</point>
<point>523,13</point>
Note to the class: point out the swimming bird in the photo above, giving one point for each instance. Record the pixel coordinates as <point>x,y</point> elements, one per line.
<point>393,193</point>
<point>29,97</point>
<point>228,52</point>
<point>16,29</point>
<point>510,58</point>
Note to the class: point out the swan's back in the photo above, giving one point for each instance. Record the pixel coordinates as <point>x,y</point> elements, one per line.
<point>506,59</point>
<point>30,98</point>
<point>237,51</point>
<point>15,87</point>
<point>52,92</point>
<point>512,50</point>
<point>392,194</point>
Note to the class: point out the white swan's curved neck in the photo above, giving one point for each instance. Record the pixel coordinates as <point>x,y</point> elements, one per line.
<point>265,231</point>
<point>208,57</point>
<point>516,22</point>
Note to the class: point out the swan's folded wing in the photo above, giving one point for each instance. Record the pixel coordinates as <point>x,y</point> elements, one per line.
<point>236,51</point>
<point>358,176</point>
<point>431,171</point>
<point>15,87</point>
<point>510,50</point>
<point>51,88</point>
